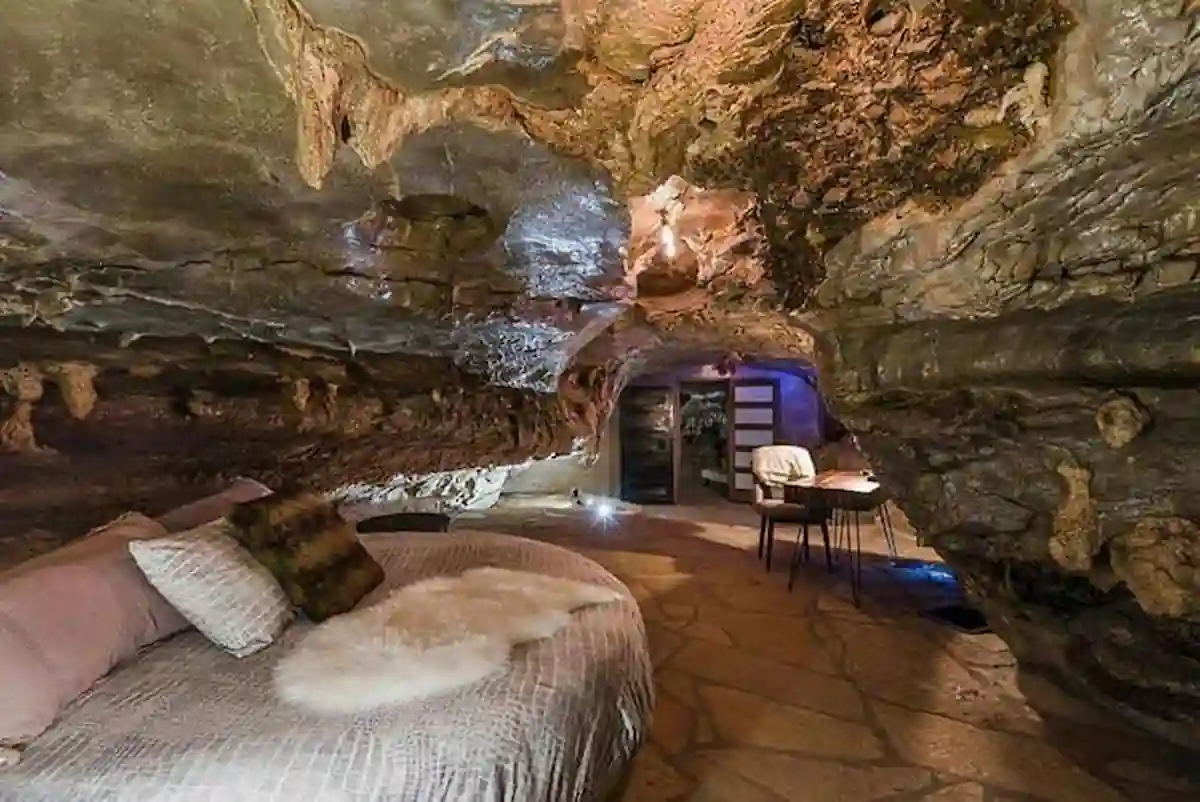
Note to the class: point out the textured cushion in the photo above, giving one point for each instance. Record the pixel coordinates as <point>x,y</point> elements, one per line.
<point>212,507</point>
<point>68,617</point>
<point>217,586</point>
<point>314,554</point>
<point>783,512</point>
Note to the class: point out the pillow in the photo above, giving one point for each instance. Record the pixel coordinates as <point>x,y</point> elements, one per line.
<point>110,538</point>
<point>232,599</point>
<point>314,554</point>
<point>69,617</point>
<point>34,544</point>
<point>210,508</point>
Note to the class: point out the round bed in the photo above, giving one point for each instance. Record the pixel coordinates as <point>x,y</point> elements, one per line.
<point>188,723</point>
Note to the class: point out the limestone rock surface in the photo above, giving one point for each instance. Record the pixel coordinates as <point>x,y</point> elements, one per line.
<point>1020,366</point>
<point>329,243</point>
<point>444,492</point>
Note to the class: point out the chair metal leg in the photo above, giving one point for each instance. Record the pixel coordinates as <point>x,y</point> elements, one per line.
<point>856,563</point>
<point>828,551</point>
<point>841,535</point>
<point>770,541</point>
<point>889,532</point>
<point>801,542</point>
<point>762,535</point>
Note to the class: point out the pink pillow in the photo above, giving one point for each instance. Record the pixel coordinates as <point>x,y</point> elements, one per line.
<point>112,536</point>
<point>210,508</point>
<point>69,617</point>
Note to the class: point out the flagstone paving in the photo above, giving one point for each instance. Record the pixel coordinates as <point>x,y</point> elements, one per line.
<point>766,696</point>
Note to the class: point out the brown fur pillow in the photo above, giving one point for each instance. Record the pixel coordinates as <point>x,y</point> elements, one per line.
<point>305,544</point>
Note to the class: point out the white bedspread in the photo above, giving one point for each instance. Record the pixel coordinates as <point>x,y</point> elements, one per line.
<point>188,723</point>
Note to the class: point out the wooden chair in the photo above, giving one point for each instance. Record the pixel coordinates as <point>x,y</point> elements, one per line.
<point>773,509</point>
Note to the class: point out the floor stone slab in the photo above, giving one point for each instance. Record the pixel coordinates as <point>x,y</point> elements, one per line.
<point>679,685</point>
<point>777,637</point>
<point>959,792</point>
<point>706,631</point>
<point>919,672</point>
<point>639,564</point>
<point>985,650</point>
<point>1009,761</point>
<point>716,784</point>
<point>762,597</point>
<point>654,780</point>
<point>950,704</point>
<point>667,589</point>
<point>767,678</point>
<point>682,613</point>
<point>663,642</point>
<point>746,720</point>
<point>801,779</point>
<point>673,724</point>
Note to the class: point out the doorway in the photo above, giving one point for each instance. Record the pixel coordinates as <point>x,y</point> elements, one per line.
<point>648,429</point>
<point>704,468</point>
<point>691,442</point>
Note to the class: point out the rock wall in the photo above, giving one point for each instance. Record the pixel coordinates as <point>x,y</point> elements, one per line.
<point>1053,460</point>
<point>319,243</point>
<point>446,491</point>
<point>1020,364</point>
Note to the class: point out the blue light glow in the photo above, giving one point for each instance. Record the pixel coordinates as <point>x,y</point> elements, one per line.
<point>920,571</point>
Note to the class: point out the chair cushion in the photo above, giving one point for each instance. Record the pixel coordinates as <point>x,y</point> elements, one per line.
<point>310,549</point>
<point>781,511</point>
<point>215,583</point>
<point>69,617</point>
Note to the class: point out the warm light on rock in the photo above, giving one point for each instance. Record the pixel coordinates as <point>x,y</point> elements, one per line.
<point>330,245</point>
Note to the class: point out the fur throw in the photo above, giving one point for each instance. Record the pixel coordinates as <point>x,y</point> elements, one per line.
<point>314,555</point>
<point>428,639</point>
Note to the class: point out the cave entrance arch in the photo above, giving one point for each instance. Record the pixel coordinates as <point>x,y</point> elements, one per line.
<point>685,435</point>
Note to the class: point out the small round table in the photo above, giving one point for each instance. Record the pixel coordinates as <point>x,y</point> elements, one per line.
<point>847,495</point>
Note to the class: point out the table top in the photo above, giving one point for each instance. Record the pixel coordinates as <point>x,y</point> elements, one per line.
<point>839,490</point>
<point>845,481</point>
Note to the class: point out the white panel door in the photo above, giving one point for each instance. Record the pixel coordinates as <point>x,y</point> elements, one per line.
<point>754,422</point>
<point>754,415</point>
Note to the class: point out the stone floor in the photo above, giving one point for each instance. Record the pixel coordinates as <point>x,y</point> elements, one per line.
<point>766,696</point>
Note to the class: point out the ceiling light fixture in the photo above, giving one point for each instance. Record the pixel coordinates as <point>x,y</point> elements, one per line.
<point>669,244</point>
<point>666,234</point>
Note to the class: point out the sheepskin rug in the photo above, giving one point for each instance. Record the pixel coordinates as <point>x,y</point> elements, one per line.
<point>427,639</point>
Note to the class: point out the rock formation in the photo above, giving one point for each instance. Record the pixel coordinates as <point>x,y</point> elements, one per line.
<point>329,243</point>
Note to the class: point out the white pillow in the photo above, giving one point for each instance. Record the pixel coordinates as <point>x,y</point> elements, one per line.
<point>217,586</point>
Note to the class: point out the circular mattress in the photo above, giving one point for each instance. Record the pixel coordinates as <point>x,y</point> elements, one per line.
<point>188,723</point>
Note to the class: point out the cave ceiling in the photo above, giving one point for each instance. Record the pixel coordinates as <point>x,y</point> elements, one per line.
<point>332,241</point>
<point>390,199</point>
<point>393,197</point>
